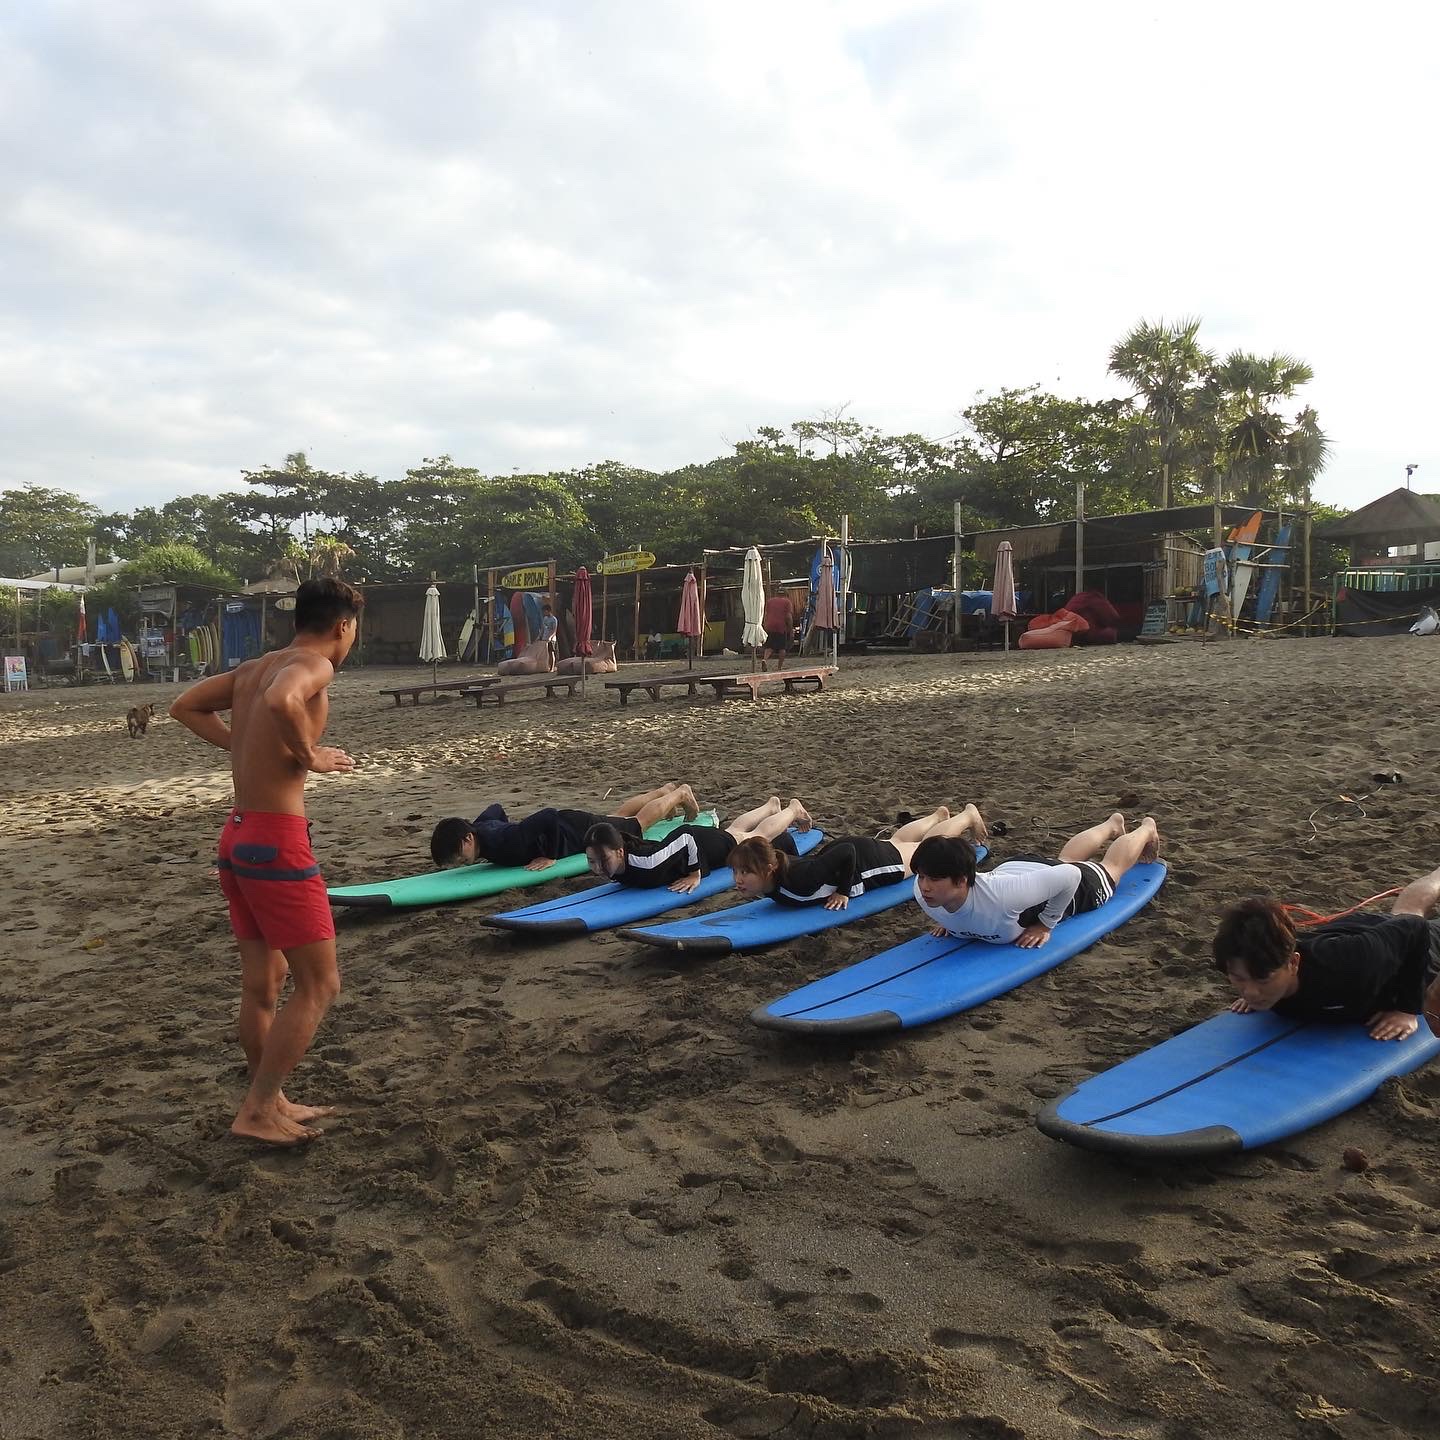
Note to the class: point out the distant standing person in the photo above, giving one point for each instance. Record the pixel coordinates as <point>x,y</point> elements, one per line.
<point>779,623</point>
<point>549,628</point>
<point>279,911</point>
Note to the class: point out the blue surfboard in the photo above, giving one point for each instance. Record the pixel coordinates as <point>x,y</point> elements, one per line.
<point>927,979</point>
<point>1235,1082</point>
<point>1270,585</point>
<point>763,922</point>
<point>603,907</point>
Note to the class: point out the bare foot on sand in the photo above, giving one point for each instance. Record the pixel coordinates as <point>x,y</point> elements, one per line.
<point>272,1128</point>
<point>301,1113</point>
<point>1117,825</point>
<point>688,807</point>
<point>978,829</point>
<point>1152,845</point>
<point>803,819</point>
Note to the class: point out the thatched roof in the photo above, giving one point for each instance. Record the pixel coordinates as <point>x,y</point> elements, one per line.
<point>1400,518</point>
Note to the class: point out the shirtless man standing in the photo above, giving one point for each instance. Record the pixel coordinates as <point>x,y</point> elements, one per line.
<point>278,907</point>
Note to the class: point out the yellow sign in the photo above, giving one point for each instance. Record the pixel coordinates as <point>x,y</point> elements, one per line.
<point>536,577</point>
<point>625,563</point>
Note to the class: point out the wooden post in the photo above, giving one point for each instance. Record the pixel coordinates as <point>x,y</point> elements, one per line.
<point>490,618</point>
<point>637,615</point>
<point>475,633</point>
<point>842,590</point>
<point>1308,629</point>
<point>700,643</point>
<point>955,572</point>
<point>1079,536</point>
<point>550,587</point>
<point>1219,523</point>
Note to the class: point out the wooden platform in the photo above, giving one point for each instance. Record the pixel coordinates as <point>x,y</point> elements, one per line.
<point>549,683</point>
<point>439,687</point>
<point>727,683</point>
<point>654,684</point>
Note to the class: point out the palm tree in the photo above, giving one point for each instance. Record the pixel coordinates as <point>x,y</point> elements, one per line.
<point>1265,455</point>
<point>328,555</point>
<point>1167,365</point>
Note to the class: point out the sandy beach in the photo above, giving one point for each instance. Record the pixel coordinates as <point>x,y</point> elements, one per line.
<point>574,1192</point>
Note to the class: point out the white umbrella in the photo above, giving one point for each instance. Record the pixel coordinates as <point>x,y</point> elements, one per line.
<point>752,601</point>
<point>432,642</point>
<point>1003,599</point>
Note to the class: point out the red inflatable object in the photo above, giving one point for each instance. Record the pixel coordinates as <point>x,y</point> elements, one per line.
<point>1100,615</point>
<point>1054,632</point>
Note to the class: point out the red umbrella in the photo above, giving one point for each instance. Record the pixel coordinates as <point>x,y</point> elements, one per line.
<point>1003,592</point>
<point>580,603</point>
<point>691,626</point>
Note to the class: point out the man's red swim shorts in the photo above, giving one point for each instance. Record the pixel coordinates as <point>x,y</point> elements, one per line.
<point>269,876</point>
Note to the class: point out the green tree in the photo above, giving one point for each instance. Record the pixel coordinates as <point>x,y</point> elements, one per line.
<point>174,563</point>
<point>1264,457</point>
<point>1021,456</point>
<point>41,528</point>
<point>1167,366</point>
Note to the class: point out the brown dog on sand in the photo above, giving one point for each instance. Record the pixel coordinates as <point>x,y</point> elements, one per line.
<point>137,718</point>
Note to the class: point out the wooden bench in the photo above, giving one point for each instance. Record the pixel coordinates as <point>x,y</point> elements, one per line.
<point>812,678</point>
<point>654,684</point>
<point>550,683</point>
<point>460,687</point>
<point>726,683</point>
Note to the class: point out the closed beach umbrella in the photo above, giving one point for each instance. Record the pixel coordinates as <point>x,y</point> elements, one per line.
<point>432,642</point>
<point>825,611</point>
<point>1004,588</point>
<point>690,625</point>
<point>752,602</point>
<point>79,622</point>
<point>580,602</point>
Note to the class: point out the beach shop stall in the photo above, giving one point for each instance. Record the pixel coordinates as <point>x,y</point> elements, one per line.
<point>390,624</point>
<point>180,630</point>
<point>1392,567</point>
<point>1142,559</point>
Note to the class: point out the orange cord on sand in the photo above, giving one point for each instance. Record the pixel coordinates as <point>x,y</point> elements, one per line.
<point>1303,915</point>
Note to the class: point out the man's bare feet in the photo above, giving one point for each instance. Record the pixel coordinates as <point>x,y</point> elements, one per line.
<point>272,1128</point>
<point>803,819</point>
<point>1152,845</point>
<point>1117,824</point>
<point>686,801</point>
<point>289,1110</point>
<point>978,829</point>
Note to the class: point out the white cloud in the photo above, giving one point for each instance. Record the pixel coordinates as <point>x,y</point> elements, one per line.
<point>534,235</point>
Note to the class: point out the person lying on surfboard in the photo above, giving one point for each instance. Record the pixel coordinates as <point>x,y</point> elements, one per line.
<point>843,869</point>
<point>1021,901</point>
<point>548,835</point>
<point>690,852</point>
<point>1377,969</point>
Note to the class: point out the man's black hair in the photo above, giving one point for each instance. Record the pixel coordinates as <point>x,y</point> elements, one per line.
<point>447,839</point>
<point>604,836</point>
<point>945,857</point>
<point>320,603</point>
<point>1257,934</point>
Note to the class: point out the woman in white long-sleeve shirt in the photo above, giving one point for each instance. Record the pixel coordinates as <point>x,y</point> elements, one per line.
<point>1022,901</point>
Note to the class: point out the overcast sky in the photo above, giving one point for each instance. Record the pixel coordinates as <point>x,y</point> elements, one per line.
<point>538,234</point>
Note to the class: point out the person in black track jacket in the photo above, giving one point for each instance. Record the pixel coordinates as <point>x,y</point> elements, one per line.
<point>843,869</point>
<point>690,852</point>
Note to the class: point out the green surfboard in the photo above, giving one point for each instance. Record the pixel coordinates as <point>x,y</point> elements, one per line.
<point>473,882</point>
